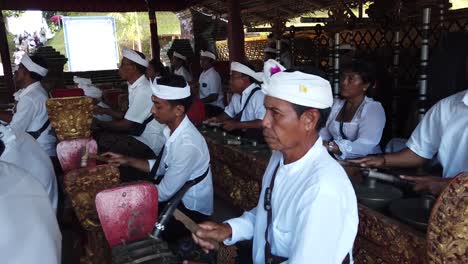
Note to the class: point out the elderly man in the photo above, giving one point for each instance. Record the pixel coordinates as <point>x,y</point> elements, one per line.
<point>246,110</point>
<point>23,151</point>
<point>178,62</point>
<point>29,228</point>
<point>442,132</point>
<point>31,113</point>
<point>184,157</point>
<point>307,210</point>
<point>211,87</point>
<point>134,132</point>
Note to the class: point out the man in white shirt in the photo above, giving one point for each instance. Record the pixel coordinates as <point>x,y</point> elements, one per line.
<point>184,157</point>
<point>246,110</point>
<point>307,210</point>
<point>178,62</point>
<point>23,151</point>
<point>134,132</point>
<point>29,228</point>
<point>31,113</point>
<point>442,132</point>
<point>211,87</point>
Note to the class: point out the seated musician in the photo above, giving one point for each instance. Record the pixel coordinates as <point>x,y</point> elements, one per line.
<point>22,150</point>
<point>307,210</point>
<point>210,85</point>
<point>134,132</point>
<point>184,157</point>
<point>29,228</point>
<point>246,110</point>
<point>356,122</point>
<point>442,132</point>
<point>179,66</point>
<point>31,113</point>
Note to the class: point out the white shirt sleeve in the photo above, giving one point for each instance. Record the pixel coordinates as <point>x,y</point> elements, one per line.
<point>260,110</point>
<point>178,171</point>
<point>370,129</point>
<point>242,227</point>
<point>140,109</point>
<point>315,238</point>
<point>230,109</point>
<point>425,140</point>
<point>24,115</point>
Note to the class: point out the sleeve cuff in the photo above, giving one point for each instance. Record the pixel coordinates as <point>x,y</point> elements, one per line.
<point>345,148</point>
<point>416,149</point>
<point>229,114</point>
<point>236,227</point>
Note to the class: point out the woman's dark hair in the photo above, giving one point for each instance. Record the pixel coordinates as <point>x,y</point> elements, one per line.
<point>158,67</point>
<point>140,68</point>
<point>176,81</point>
<point>41,62</point>
<point>324,113</point>
<point>364,69</point>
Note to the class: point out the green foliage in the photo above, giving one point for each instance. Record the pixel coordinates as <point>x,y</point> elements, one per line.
<point>12,13</point>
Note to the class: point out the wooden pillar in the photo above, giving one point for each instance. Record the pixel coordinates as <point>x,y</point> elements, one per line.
<point>336,66</point>
<point>235,32</point>
<point>423,62</point>
<point>155,47</point>
<point>5,55</point>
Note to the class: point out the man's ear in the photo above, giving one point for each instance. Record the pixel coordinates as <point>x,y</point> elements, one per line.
<point>180,110</point>
<point>310,119</point>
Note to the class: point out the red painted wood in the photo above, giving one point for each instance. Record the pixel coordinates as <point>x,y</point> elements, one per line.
<point>69,153</point>
<point>127,213</point>
<point>59,93</point>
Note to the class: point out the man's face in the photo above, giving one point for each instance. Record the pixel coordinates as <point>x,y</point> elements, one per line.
<point>238,82</point>
<point>126,68</point>
<point>20,76</point>
<point>163,111</point>
<point>282,128</point>
<point>205,63</point>
<point>176,62</point>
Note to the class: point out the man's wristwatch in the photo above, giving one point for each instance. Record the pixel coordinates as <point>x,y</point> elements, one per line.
<point>331,145</point>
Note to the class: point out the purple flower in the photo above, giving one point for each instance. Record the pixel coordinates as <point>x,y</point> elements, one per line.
<point>274,70</point>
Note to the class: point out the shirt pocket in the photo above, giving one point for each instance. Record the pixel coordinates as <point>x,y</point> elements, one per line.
<point>204,85</point>
<point>281,239</point>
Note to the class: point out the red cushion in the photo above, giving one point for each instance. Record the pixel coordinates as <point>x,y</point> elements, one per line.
<point>69,153</point>
<point>105,87</point>
<point>59,93</point>
<point>196,114</point>
<point>127,212</point>
<point>111,97</point>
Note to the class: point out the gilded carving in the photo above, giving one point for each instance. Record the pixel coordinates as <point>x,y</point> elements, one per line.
<point>447,235</point>
<point>71,117</point>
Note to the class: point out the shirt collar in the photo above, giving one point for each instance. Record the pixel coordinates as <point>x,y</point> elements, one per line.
<point>465,98</point>
<point>30,88</point>
<point>167,131</point>
<point>137,82</point>
<point>307,160</point>
<point>247,90</point>
<point>210,69</point>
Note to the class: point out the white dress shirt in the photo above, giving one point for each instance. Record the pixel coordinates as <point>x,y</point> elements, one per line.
<point>22,150</point>
<point>28,225</point>
<point>182,71</point>
<point>255,110</point>
<point>186,157</point>
<point>315,218</point>
<point>444,131</point>
<point>363,132</point>
<point>139,109</point>
<point>210,83</point>
<point>31,115</point>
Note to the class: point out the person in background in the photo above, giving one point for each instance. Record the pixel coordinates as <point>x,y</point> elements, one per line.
<point>179,65</point>
<point>210,85</point>
<point>29,228</point>
<point>307,210</point>
<point>31,113</point>
<point>155,70</point>
<point>356,123</point>
<point>246,110</point>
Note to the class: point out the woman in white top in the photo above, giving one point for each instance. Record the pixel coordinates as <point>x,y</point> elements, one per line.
<point>356,122</point>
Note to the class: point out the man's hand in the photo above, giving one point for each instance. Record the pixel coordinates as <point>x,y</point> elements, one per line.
<point>211,231</point>
<point>230,125</point>
<point>432,184</point>
<point>370,161</point>
<point>212,120</point>
<point>115,159</point>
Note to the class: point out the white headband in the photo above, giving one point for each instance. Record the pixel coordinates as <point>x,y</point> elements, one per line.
<point>296,87</point>
<point>238,67</point>
<point>32,66</point>
<point>208,54</point>
<point>269,49</point>
<point>135,57</point>
<point>80,80</point>
<point>180,56</point>
<point>6,134</point>
<point>168,92</point>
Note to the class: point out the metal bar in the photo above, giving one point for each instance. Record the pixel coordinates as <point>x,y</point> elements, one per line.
<point>330,60</point>
<point>423,62</point>
<point>278,50</point>
<point>395,84</point>
<point>336,66</point>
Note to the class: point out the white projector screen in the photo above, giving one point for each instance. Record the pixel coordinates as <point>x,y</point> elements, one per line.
<point>91,43</point>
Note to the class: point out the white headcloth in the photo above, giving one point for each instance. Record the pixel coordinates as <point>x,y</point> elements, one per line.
<point>178,55</point>
<point>88,88</point>
<point>169,92</point>
<point>135,57</point>
<point>209,54</point>
<point>296,87</point>
<point>32,66</point>
<point>238,67</point>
